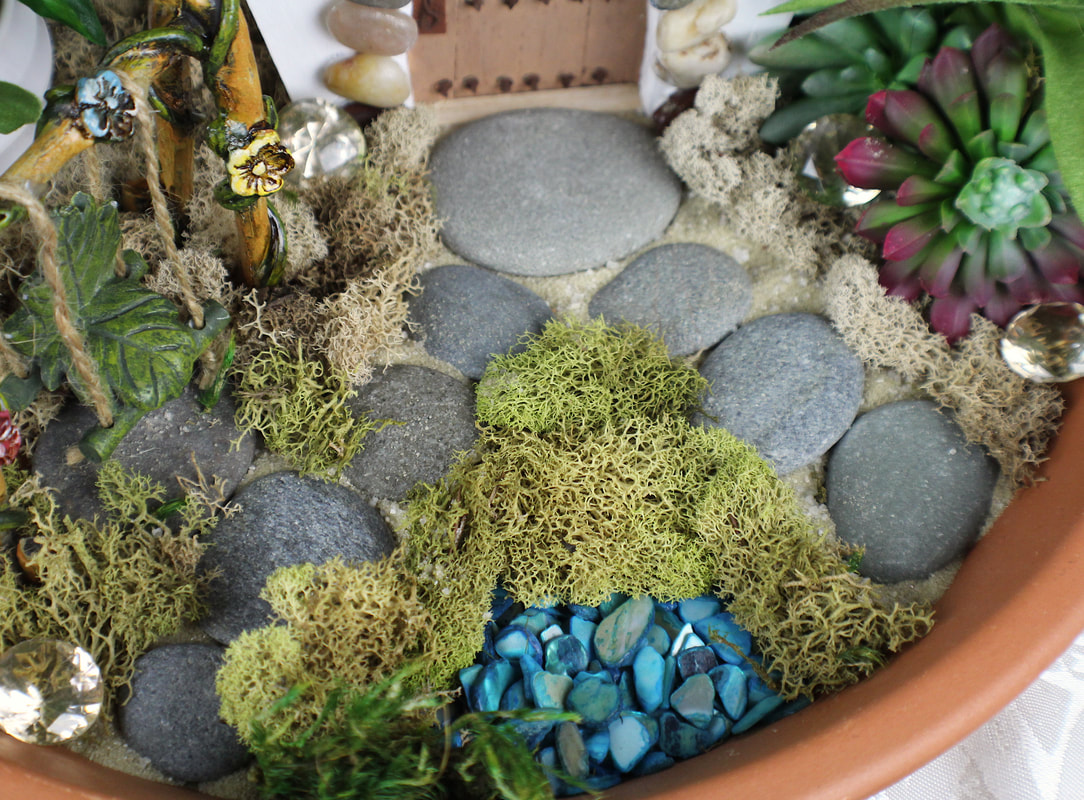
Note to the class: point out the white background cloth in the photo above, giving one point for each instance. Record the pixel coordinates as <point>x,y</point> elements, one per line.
<point>1032,750</point>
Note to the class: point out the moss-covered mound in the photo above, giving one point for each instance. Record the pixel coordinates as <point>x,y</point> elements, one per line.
<point>112,586</point>
<point>588,480</point>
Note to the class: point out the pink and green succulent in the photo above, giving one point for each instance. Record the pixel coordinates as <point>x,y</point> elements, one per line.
<point>973,209</point>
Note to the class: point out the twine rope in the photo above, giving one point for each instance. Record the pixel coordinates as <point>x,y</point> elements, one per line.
<point>62,314</point>
<point>159,204</point>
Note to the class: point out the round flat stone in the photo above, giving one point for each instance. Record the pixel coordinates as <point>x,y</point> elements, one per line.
<point>690,294</point>
<point>433,421</point>
<point>171,718</point>
<point>161,446</point>
<point>551,191</point>
<point>786,384</point>
<point>905,484</point>
<point>465,315</point>
<point>284,520</point>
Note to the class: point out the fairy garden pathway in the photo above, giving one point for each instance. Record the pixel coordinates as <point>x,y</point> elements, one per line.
<point>544,193</point>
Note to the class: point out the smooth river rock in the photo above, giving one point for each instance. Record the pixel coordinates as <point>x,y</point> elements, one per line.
<point>690,294</point>
<point>171,717</point>
<point>549,191</point>
<point>465,315</point>
<point>785,383</point>
<point>432,420</point>
<point>906,485</point>
<point>371,79</point>
<point>165,444</point>
<point>367,29</point>
<point>284,519</point>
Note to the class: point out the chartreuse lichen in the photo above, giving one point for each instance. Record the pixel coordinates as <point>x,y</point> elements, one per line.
<point>602,486</point>
<point>342,625</point>
<point>113,586</point>
<point>299,407</point>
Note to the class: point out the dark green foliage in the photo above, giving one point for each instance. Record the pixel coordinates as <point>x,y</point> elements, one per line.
<point>79,15</point>
<point>835,69</point>
<point>18,107</point>
<point>385,745</point>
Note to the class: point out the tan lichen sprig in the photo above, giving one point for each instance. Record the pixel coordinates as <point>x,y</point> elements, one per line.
<point>344,626</point>
<point>259,168</point>
<point>299,407</point>
<point>113,586</point>
<point>1013,418</point>
<point>715,149</point>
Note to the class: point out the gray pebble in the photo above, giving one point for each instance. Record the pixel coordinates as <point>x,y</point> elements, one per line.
<point>433,420</point>
<point>466,315</point>
<point>787,384</point>
<point>905,484</point>
<point>389,3</point>
<point>548,191</point>
<point>284,520</point>
<point>691,294</point>
<point>161,446</point>
<point>664,5</point>
<point>171,717</point>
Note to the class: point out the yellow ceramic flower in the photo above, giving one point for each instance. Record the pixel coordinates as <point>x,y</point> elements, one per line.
<point>260,167</point>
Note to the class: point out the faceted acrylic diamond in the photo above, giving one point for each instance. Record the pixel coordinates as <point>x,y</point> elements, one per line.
<point>322,139</point>
<point>50,691</point>
<point>1046,343</point>
<point>814,153</point>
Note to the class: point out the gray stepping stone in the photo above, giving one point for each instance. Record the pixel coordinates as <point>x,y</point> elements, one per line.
<point>284,520</point>
<point>432,418</point>
<point>171,717</point>
<point>161,446</point>
<point>906,485</point>
<point>548,191</point>
<point>466,315</point>
<point>786,384</point>
<point>690,294</point>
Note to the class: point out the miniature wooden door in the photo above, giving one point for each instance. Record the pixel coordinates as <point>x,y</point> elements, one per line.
<point>479,47</point>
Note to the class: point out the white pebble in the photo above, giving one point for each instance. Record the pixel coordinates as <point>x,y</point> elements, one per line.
<point>694,23</point>
<point>686,68</point>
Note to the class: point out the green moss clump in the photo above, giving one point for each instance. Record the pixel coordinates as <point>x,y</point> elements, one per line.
<point>300,409</point>
<point>584,376</point>
<point>599,486</point>
<point>345,625</point>
<point>112,586</point>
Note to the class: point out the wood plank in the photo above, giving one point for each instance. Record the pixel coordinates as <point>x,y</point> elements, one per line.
<point>613,98</point>
<point>615,40</point>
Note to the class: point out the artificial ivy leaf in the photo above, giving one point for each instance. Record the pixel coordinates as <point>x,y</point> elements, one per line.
<point>143,353</point>
<point>79,15</point>
<point>18,107</point>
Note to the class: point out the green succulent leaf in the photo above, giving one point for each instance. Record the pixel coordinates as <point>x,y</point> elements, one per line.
<point>789,121</point>
<point>79,15</point>
<point>142,350</point>
<point>18,107</point>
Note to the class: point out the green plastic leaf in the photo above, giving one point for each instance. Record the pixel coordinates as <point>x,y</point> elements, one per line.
<point>144,354</point>
<point>1063,66</point>
<point>788,121</point>
<point>813,52</point>
<point>833,82</point>
<point>79,15</point>
<point>18,393</point>
<point>18,107</point>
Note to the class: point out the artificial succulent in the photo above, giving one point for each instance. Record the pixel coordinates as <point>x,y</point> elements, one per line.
<point>835,69</point>
<point>976,214</point>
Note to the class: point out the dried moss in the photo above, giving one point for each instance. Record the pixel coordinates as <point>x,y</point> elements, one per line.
<point>112,586</point>
<point>788,585</point>
<point>715,149</point>
<point>642,504</point>
<point>584,375</point>
<point>1013,418</point>
<point>299,407</point>
<point>345,626</point>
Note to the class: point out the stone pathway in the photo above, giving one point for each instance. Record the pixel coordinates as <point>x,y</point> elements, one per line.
<point>545,193</point>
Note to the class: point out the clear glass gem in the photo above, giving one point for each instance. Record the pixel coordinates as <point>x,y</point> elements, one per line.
<point>814,152</point>
<point>1046,343</point>
<point>323,140</point>
<point>50,691</point>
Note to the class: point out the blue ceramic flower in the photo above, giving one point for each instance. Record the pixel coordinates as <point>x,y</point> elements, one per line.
<point>106,110</point>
